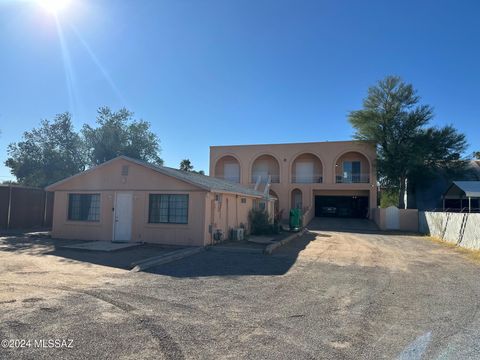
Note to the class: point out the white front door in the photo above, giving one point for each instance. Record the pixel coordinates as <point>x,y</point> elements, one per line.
<point>122,229</point>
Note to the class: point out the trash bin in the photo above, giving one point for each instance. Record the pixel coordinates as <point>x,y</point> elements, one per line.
<point>295,219</point>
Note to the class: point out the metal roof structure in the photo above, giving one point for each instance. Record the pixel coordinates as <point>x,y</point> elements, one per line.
<point>463,189</point>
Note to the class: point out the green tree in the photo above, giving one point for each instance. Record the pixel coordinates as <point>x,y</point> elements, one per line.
<point>9,182</point>
<point>47,154</point>
<point>396,122</point>
<point>186,165</point>
<point>388,198</point>
<point>117,133</point>
<point>476,155</point>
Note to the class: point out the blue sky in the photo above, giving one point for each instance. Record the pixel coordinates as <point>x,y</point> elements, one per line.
<point>225,72</point>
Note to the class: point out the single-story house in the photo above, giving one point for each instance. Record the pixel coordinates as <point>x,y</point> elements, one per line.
<point>125,199</point>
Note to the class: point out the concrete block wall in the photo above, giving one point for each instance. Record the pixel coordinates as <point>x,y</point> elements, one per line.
<point>462,229</point>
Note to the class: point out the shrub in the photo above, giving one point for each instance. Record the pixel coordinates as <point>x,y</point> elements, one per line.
<point>388,198</point>
<point>259,222</point>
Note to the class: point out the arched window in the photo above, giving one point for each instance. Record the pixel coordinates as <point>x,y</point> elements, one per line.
<point>352,167</point>
<point>228,168</point>
<point>296,200</point>
<point>307,169</point>
<point>264,167</point>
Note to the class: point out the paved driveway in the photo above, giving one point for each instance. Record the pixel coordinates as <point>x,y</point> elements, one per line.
<point>328,295</point>
<point>342,225</point>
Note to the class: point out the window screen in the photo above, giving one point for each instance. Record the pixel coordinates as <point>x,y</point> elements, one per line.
<point>168,208</point>
<point>84,207</point>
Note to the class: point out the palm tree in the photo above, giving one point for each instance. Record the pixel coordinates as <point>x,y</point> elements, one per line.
<point>186,165</point>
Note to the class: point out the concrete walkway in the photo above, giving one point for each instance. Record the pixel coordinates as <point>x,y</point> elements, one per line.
<point>101,246</point>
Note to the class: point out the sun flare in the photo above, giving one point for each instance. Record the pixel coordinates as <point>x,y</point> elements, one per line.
<point>54,6</point>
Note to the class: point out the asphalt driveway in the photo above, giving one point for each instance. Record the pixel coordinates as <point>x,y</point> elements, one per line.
<point>328,295</point>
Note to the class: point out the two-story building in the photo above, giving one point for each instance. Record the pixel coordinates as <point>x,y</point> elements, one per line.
<point>335,178</point>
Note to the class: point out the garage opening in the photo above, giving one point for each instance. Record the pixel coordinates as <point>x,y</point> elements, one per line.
<point>341,206</point>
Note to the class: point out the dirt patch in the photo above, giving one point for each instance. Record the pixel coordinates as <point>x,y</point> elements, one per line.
<point>470,254</point>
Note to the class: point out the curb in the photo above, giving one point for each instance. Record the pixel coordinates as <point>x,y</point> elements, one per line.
<point>270,248</point>
<point>164,259</point>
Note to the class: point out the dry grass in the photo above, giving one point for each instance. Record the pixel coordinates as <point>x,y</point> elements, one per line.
<point>469,253</point>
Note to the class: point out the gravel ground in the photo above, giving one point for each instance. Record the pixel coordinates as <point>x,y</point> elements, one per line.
<point>327,295</point>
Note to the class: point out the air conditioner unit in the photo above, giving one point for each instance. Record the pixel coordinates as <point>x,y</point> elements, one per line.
<point>238,234</point>
<point>218,235</point>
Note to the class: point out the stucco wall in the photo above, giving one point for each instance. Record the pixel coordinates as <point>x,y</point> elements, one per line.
<point>329,154</point>
<point>228,213</point>
<point>141,182</point>
<point>461,229</point>
<point>181,234</point>
<point>407,219</point>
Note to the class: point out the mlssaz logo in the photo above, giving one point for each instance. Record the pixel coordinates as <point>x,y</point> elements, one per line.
<point>53,343</point>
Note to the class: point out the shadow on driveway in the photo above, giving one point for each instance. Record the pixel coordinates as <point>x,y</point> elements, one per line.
<point>207,263</point>
<point>362,226</point>
<point>210,263</point>
<point>121,259</point>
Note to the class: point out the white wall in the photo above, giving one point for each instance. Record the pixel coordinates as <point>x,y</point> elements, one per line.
<point>461,229</point>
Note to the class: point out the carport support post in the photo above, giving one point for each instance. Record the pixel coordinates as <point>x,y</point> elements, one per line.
<point>443,203</point>
<point>469,204</point>
<point>45,209</point>
<point>9,211</point>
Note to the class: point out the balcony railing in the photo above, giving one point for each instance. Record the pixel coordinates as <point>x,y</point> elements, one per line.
<point>353,179</point>
<point>307,179</point>
<point>274,179</point>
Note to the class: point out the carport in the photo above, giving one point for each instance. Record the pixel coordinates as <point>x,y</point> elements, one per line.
<point>462,196</point>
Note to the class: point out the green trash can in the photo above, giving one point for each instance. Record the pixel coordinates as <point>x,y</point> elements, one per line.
<point>295,219</point>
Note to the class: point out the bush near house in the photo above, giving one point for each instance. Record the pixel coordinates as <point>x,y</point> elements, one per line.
<point>388,198</point>
<point>260,222</point>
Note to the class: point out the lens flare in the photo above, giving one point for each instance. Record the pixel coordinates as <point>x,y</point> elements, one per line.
<point>54,6</point>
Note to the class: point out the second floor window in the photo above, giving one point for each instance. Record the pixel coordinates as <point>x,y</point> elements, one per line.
<point>351,171</point>
<point>231,172</point>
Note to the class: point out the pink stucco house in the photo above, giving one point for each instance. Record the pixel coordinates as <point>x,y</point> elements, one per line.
<point>127,200</point>
<point>335,178</point>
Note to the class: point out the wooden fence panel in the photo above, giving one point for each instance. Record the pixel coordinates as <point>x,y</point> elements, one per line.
<point>4,195</point>
<point>29,208</point>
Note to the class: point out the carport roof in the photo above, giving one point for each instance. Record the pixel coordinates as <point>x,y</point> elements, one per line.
<point>202,181</point>
<point>466,188</point>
